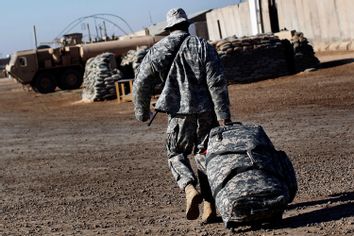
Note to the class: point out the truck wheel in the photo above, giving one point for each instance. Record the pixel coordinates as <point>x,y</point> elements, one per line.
<point>44,83</point>
<point>70,79</point>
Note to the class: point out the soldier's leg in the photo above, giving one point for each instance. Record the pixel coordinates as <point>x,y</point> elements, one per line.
<point>181,134</point>
<point>209,209</point>
<point>206,122</point>
<point>203,179</point>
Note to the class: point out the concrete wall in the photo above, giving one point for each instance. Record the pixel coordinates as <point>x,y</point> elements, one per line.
<point>326,23</point>
<point>265,16</point>
<point>321,21</point>
<point>236,20</point>
<point>200,29</point>
<point>233,20</point>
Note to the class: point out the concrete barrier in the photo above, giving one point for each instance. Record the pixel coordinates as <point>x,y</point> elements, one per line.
<point>328,24</point>
<point>322,21</point>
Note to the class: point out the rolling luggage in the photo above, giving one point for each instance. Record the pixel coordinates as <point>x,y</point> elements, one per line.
<point>249,179</point>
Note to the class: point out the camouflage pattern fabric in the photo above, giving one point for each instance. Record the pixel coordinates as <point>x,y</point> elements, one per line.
<point>249,179</point>
<point>200,161</point>
<point>187,134</point>
<point>192,74</point>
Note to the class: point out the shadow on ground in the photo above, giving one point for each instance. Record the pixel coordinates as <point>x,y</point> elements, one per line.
<point>344,208</point>
<point>341,197</point>
<point>334,63</point>
<point>320,216</point>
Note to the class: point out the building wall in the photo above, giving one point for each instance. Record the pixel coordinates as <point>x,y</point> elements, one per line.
<point>320,20</point>
<point>265,16</point>
<point>236,20</point>
<point>200,29</point>
<point>233,20</point>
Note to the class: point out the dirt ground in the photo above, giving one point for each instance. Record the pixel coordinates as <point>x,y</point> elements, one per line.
<point>72,168</point>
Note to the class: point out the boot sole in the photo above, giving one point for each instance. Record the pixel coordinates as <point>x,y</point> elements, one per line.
<point>193,212</point>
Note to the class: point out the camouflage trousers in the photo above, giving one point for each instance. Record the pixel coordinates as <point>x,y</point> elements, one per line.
<point>187,134</point>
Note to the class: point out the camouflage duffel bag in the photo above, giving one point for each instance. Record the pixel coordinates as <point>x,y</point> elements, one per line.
<point>250,180</point>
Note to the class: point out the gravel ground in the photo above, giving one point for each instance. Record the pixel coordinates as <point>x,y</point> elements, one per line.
<point>73,168</point>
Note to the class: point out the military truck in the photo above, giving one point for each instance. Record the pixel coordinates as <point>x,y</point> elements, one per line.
<point>3,63</point>
<point>47,68</point>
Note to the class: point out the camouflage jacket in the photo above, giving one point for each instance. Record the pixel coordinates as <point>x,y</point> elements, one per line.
<point>192,74</point>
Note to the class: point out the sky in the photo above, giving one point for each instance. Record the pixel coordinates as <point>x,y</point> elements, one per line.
<point>17,17</point>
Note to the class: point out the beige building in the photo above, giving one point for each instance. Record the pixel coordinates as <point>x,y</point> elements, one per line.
<point>324,22</point>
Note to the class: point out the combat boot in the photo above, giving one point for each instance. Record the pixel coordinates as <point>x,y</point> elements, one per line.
<point>209,212</point>
<point>193,199</point>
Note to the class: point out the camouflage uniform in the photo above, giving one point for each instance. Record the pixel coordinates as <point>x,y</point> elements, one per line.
<point>249,178</point>
<point>194,96</point>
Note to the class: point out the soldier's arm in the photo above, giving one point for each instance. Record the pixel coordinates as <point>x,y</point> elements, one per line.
<point>217,85</point>
<point>143,86</point>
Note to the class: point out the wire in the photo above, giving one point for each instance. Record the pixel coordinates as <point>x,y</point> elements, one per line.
<point>101,16</point>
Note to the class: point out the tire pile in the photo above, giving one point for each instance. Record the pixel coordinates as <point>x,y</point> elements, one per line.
<point>100,76</point>
<point>249,59</point>
<point>304,55</point>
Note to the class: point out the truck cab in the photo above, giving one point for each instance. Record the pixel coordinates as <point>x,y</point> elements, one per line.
<point>45,69</point>
<point>23,66</point>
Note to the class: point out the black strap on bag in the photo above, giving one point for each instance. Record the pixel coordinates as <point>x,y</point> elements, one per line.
<point>153,117</point>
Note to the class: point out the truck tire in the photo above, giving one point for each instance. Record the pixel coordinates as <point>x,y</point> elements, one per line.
<point>70,79</point>
<point>44,83</point>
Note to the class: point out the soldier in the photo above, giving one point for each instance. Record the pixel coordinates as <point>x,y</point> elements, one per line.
<point>194,96</point>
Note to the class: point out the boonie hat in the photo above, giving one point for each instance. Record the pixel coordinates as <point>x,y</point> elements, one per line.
<point>175,16</point>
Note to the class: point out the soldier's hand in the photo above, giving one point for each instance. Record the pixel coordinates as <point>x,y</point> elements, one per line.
<point>224,122</point>
<point>147,117</point>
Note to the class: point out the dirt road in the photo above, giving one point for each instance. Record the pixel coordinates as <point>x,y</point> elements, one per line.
<point>72,168</point>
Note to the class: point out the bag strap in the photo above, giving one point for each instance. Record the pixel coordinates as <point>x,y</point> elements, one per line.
<point>177,51</point>
<point>163,81</point>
